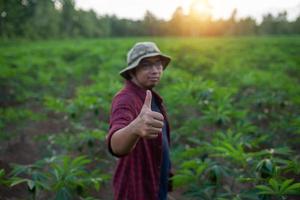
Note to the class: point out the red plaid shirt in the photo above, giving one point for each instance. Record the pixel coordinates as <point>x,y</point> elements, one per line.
<point>137,174</point>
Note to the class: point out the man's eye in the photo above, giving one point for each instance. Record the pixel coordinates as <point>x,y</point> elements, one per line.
<point>150,64</point>
<point>146,64</point>
<point>158,63</point>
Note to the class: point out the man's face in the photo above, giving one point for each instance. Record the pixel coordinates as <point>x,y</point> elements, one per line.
<point>148,73</point>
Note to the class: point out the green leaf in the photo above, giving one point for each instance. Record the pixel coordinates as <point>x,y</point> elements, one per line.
<point>293,189</point>
<point>274,185</point>
<point>285,185</point>
<point>191,164</point>
<point>96,182</point>
<point>268,165</point>
<point>30,184</point>
<point>200,169</point>
<point>2,172</point>
<point>63,194</point>
<point>80,161</point>
<point>181,180</point>
<point>19,169</point>
<point>264,189</point>
<point>16,181</point>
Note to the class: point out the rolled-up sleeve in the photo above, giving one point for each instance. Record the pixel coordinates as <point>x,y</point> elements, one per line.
<point>122,114</point>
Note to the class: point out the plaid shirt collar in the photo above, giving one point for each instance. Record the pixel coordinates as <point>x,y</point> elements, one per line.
<point>141,92</point>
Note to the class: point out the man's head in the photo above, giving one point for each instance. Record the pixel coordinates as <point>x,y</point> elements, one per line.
<point>145,64</point>
<point>148,73</point>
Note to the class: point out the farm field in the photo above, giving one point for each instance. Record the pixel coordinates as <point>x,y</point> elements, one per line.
<point>233,105</point>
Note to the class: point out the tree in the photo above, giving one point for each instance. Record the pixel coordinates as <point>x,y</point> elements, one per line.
<point>275,25</point>
<point>296,26</point>
<point>267,26</point>
<point>151,24</point>
<point>246,26</point>
<point>177,23</point>
<point>231,23</point>
<point>43,21</point>
<point>282,24</point>
<point>13,15</point>
<point>58,18</point>
<point>67,24</point>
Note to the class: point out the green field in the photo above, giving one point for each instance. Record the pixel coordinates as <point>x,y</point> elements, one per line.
<point>233,104</point>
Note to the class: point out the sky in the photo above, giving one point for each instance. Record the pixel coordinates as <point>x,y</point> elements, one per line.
<point>163,9</point>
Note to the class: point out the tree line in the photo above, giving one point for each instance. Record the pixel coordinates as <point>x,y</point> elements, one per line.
<point>44,19</point>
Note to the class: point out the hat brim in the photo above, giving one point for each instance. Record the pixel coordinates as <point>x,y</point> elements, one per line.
<point>164,58</point>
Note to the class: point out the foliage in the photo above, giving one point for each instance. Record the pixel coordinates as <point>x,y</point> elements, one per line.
<point>233,107</point>
<point>279,189</point>
<point>46,19</point>
<point>65,176</point>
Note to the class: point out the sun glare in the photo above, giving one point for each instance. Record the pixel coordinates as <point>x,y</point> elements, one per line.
<point>215,9</point>
<point>202,8</point>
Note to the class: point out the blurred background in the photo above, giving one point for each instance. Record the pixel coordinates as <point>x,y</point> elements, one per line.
<point>232,94</point>
<point>46,19</point>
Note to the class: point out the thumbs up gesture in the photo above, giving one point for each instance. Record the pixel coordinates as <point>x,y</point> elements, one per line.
<point>149,123</point>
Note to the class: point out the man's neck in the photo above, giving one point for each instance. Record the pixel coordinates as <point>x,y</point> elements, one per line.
<point>139,85</point>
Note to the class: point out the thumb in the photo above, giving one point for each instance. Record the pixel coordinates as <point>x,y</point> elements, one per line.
<point>148,99</point>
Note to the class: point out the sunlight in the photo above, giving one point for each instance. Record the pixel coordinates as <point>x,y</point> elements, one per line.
<point>214,9</point>
<point>221,8</point>
<point>201,8</point>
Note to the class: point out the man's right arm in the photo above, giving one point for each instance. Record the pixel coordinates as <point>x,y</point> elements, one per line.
<point>147,124</point>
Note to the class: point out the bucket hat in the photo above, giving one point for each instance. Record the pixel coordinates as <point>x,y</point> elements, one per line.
<point>140,51</point>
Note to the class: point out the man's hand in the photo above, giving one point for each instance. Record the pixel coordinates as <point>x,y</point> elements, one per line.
<point>148,123</point>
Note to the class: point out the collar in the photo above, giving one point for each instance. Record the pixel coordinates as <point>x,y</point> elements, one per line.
<point>141,92</point>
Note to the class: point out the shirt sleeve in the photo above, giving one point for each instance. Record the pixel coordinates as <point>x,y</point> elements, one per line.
<point>122,114</point>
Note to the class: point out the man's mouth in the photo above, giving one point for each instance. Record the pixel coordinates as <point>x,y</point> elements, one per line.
<point>153,78</point>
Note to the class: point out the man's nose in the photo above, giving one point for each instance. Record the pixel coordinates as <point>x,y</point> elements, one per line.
<point>155,69</point>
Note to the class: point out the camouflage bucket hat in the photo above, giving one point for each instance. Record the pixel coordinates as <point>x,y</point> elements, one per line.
<point>140,51</point>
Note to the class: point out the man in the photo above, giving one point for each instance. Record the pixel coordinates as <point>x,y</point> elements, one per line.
<point>139,132</point>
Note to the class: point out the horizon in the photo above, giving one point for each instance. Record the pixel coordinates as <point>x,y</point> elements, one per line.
<point>217,9</point>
